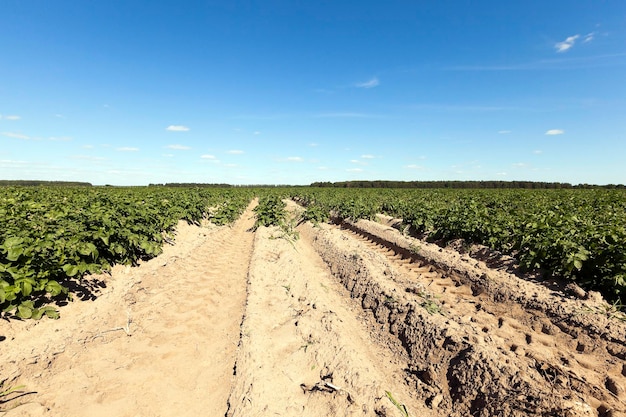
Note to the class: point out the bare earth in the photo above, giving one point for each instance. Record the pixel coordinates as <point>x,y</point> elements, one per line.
<point>231,322</point>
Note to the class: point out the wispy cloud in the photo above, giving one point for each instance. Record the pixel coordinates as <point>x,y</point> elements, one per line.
<point>9,117</point>
<point>15,135</point>
<point>553,132</point>
<point>537,152</point>
<point>294,158</point>
<point>354,170</point>
<point>371,83</point>
<point>504,132</point>
<point>235,152</point>
<point>520,165</point>
<point>567,44</point>
<point>257,133</point>
<point>178,147</point>
<point>589,37</point>
<point>415,166</point>
<point>12,161</point>
<point>60,138</point>
<point>127,149</point>
<point>368,156</point>
<point>177,128</point>
<point>209,157</point>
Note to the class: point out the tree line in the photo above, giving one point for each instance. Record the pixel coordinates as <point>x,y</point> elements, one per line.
<point>460,184</point>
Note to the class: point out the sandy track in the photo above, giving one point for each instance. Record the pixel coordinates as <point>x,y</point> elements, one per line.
<point>185,309</point>
<point>304,349</point>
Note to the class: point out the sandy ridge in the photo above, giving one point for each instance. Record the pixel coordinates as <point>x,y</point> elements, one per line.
<point>304,350</point>
<point>584,375</point>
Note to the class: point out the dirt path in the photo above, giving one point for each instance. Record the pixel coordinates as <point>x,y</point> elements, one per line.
<point>305,350</point>
<point>185,309</point>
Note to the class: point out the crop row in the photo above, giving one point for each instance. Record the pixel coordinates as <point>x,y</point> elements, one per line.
<point>51,237</point>
<point>573,234</point>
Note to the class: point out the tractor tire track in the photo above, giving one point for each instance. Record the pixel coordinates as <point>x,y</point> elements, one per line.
<point>583,373</point>
<point>175,350</point>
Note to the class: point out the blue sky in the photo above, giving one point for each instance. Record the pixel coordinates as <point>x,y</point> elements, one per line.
<point>290,92</point>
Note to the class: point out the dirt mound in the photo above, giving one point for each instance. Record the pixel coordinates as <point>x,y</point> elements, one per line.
<point>481,342</point>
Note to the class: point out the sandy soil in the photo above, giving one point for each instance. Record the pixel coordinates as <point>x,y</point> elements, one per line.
<point>230,322</point>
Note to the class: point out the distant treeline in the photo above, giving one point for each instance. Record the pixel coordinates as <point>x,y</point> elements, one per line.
<point>459,184</point>
<point>49,183</point>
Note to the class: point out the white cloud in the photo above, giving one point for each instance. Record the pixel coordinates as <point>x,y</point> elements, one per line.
<point>12,162</point>
<point>294,159</point>
<point>367,156</point>
<point>87,146</point>
<point>368,84</point>
<point>415,166</point>
<point>127,149</point>
<point>566,44</point>
<point>10,117</point>
<point>355,161</point>
<point>60,138</point>
<point>177,128</point>
<point>501,174</point>
<point>553,132</point>
<point>504,132</point>
<point>354,170</point>
<point>257,133</point>
<point>322,168</point>
<point>235,152</point>
<point>519,165</point>
<point>537,152</point>
<point>15,135</point>
<point>210,157</point>
<point>589,37</point>
<point>59,116</point>
<point>178,147</point>
<point>313,144</point>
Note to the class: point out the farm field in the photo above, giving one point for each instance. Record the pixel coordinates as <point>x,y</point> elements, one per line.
<point>337,310</point>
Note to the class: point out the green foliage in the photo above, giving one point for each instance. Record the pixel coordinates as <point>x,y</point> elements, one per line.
<point>577,234</point>
<point>270,211</point>
<point>401,407</point>
<point>315,214</point>
<point>52,236</point>
<point>9,395</point>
